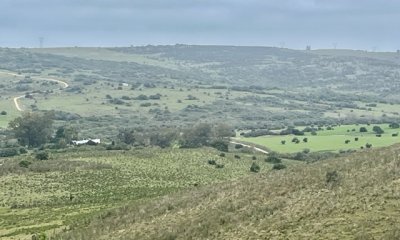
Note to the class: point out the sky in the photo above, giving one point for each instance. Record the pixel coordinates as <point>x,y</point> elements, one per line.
<point>371,25</point>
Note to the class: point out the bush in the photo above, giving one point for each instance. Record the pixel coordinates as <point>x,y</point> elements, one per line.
<point>377,130</point>
<point>3,113</point>
<point>42,156</point>
<point>24,163</point>
<point>356,139</point>
<point>212,162</point>
<point>237,156</point>
<point>254,167</point>
<point>283,142</point>
<point>395,134</point>
<point>222,154</point>
<point>278,166</point>
<point>254,158</point>
<point>332,178</point>
<point>22,151</point>
<point>220,145</point>
<point>219,165</point>
<point>347,141</point>
<point>363,129</point>
<point>306,150</point>
<point>273,159</point>
<point>238,146</point>
<point>8,152</point>
<point>368,145</point>
<point>313,133</point>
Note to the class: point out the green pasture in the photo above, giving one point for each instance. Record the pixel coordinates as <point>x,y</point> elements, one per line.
<point>328,140</point>
<point>72,185</point>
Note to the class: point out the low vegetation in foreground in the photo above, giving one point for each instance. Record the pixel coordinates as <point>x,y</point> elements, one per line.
<point>45,193</point>
<point>354,197</point>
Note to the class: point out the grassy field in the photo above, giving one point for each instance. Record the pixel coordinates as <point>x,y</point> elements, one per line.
<point>354,197</point>
<point>72,186</point>
<point>328,140</point>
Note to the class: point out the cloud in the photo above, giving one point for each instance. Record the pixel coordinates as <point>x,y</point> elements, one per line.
<point>355,24</point>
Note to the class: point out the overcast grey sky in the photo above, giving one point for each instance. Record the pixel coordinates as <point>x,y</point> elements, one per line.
<point>357,24</point>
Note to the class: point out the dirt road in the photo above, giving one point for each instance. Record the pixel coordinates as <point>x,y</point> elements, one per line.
<point>17,106</point>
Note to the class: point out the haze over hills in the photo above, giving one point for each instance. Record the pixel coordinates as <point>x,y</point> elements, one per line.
<point>199,141</point>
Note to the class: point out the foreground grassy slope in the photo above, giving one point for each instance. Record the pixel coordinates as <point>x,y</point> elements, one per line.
<point>50,195</point>
<point>302,202</point>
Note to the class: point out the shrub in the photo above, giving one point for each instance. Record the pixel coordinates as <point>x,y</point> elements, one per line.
<point>332,178</point>
<point>347,141</point>
<point>395,134</point>
<point>238,146</point>
<point>377,130</point>
<point>313,133</point>
<point>254,167</point>
<point>42,155</point>
<point>305,140</point>
<point>222,154</point>
<point>254,158</point>
<point>22,151</point>
<point>145,104</point>
<point>363,129</point>
<point>368,145</point>
<point>273,159</point>
<point>212,162</point>
<point>306,150</point>
<point>219,165</point>
<point>3,113</point>
<point>24,163</point>
<point>8,152</point>
<point>283,142</point>
<point>394,125</point>
<point>379,135</point>
<point>278,166</point>
<point>220,145</point>
<point>356,139</point>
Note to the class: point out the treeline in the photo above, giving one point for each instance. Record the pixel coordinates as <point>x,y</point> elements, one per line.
<point>201,134</point>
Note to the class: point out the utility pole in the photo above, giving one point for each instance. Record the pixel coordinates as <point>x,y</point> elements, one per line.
<point>41,40</point>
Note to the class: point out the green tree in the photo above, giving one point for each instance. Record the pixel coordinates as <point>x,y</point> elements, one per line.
<point>199,135</point>
<point>163,138</point>
<point>254,167</point>
<point>65,134</point>
<point>363,129</point>
<point>126,136</point>
<point>377,130</point>
<point>33,129</point>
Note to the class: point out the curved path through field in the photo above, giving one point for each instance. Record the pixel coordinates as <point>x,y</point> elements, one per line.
<point>17,106</point>
<point>253,147</point>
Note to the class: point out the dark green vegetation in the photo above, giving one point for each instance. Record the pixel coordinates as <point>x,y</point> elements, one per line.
<point>165,168</point>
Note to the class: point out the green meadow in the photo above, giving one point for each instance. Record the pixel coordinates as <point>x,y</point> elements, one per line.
<point>328,140</point>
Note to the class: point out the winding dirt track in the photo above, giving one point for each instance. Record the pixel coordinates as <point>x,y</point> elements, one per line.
<point>253,147</point>
<point>17,106</point>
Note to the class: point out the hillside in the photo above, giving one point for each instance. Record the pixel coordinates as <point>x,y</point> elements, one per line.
<point>356,197</point>
<point>178,85</point>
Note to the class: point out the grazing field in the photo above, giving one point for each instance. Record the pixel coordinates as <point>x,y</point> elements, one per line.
<point>49,195</point>
<point>354,197</point>
<point>329,140</point>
